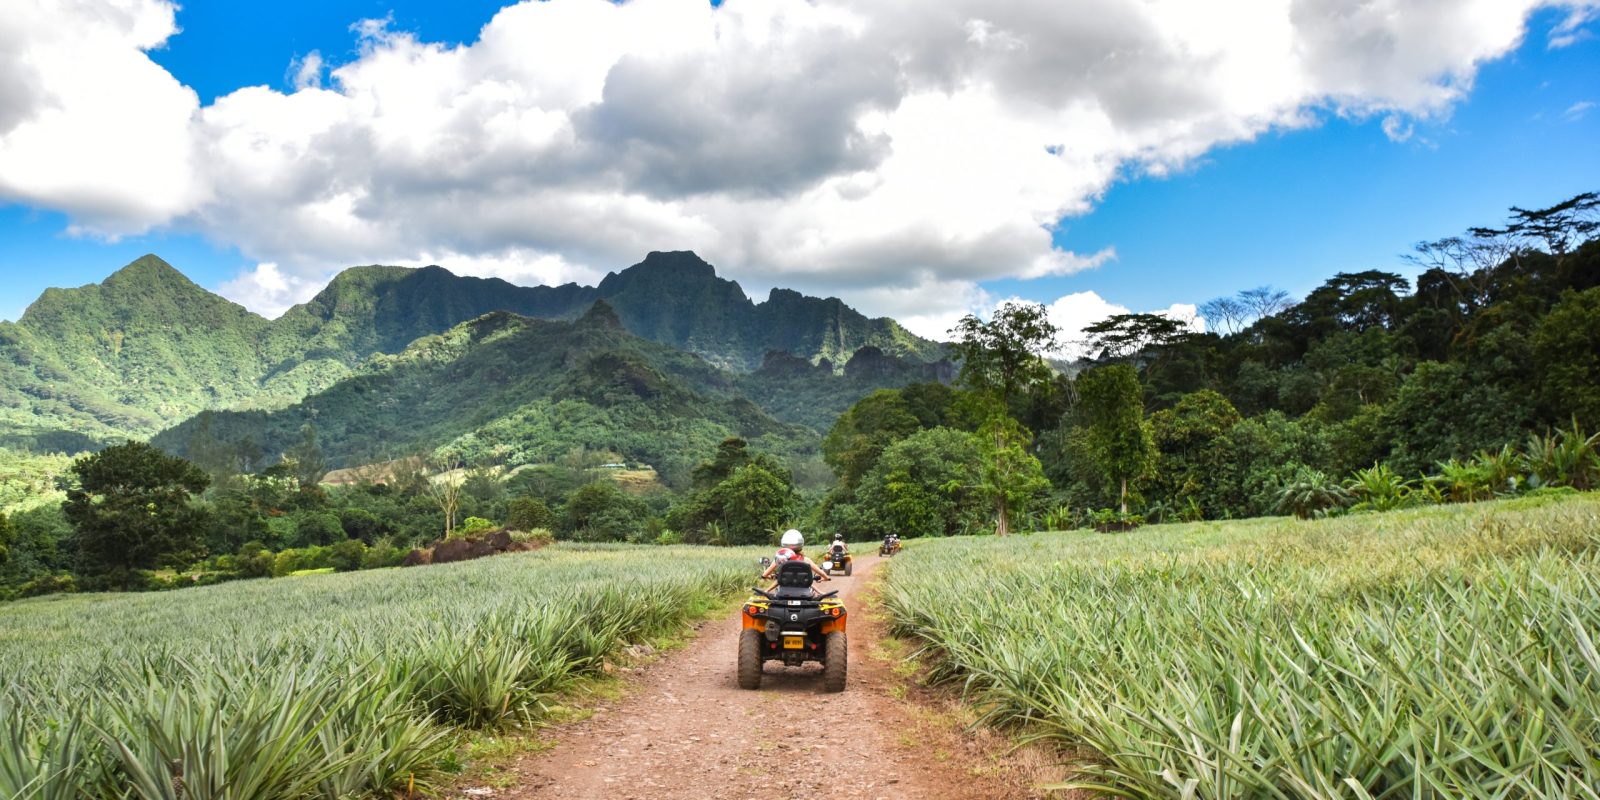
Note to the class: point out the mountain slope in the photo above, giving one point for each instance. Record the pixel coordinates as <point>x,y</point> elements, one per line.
<point>520,390</point>
<point>140,350</point>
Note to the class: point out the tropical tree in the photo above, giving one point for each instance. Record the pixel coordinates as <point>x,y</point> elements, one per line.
<point>529,513</point>
<point>752,501</point>
<point>1311,493</point>
<point>1118,437</point>
<point>1188,437</point>
<point>1003,356</point>
<point>1122,336</point>
<point>1011,477</point>
<point>926,484</point>
<point>745,493</point>
<point>131,510</point>
<point>862,432</point>
<point>1566,357</point>
<point>602,512</point>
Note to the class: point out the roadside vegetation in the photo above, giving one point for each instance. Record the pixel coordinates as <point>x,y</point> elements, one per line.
<point>1440,652</point>
<point>326,686</point>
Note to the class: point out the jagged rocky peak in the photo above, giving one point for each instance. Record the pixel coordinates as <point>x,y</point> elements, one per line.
<point>601,315</point>
<point>681,263</point>
<point>677,269</point>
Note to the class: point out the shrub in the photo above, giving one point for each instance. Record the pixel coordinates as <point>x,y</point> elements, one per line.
<point>472,526</point>
<point>383,553</point>
<point>254,560</point>
<point>529,513</point>
<point>348,555</point>
<point>1463,481</point>
<point>1113,520</point>
<point>537,536</point>
<point>48,584</point>
<point>1379,488</point>
<point>359,523</point>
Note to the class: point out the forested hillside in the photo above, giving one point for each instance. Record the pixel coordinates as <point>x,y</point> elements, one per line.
<point>147,348</point>
<point>515,390</point>
<point>1480,378</point>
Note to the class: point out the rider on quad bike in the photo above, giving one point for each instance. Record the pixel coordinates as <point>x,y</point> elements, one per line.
<point>793,542</point>
<point>794,624</point>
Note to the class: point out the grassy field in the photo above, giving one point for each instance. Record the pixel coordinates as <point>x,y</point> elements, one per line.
<point>322,686</point>
<point>1446,652</point>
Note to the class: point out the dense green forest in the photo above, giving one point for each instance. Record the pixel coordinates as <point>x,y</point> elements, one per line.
<point>1480,378</point>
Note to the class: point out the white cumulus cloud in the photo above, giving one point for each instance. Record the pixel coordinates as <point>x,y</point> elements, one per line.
<point>267,290</point>
<point>896,153</point>
<point>1073,313</point>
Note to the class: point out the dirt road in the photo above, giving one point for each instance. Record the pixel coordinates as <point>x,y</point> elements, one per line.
<point>685,731</point>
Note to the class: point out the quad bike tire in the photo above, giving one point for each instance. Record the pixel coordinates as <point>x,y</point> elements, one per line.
<point>849,567</point>
<point>750,659</point>
<point>836,662</point>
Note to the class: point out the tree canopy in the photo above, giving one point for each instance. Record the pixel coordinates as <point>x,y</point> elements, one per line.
<point>132,510</point>
<point>1004,355</point>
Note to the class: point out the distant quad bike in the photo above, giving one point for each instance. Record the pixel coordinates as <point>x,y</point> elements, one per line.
<point>890,546</point>
<point>838,561</point>
<point>794,625</point>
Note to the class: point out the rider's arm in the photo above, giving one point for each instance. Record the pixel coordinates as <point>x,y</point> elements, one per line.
<point>817,571</point>
<point>766,575</point>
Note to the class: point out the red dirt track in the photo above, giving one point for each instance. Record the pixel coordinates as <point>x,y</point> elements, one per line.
<point>685,731</point>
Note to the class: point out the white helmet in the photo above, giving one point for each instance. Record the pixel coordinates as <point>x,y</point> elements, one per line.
<point>792,538</point>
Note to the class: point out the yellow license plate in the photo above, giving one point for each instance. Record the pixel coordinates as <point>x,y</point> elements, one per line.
<point>794,642</point>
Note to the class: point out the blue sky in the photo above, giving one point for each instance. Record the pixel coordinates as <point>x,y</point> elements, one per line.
<point>1294,208</point>
<point>1288,209</point>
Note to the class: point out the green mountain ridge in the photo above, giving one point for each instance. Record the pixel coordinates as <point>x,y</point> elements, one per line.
<point>147,348</point>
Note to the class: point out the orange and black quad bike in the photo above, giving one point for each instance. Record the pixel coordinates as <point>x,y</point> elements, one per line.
<point>793,624</point>
<point>838,560</point>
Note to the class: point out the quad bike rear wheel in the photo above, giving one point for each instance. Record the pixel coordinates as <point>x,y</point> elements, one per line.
<point>750,659</point>
<point>849,567</point>
<point>835,664</point>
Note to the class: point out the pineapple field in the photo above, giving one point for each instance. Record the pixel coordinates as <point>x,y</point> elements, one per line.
<point>324,686</point>
<point>1446,652</point>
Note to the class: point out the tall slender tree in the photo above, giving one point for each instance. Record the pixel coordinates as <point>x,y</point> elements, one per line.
<point>1119,437</point>
<point>445,486</point>
<point>1012,477</point>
